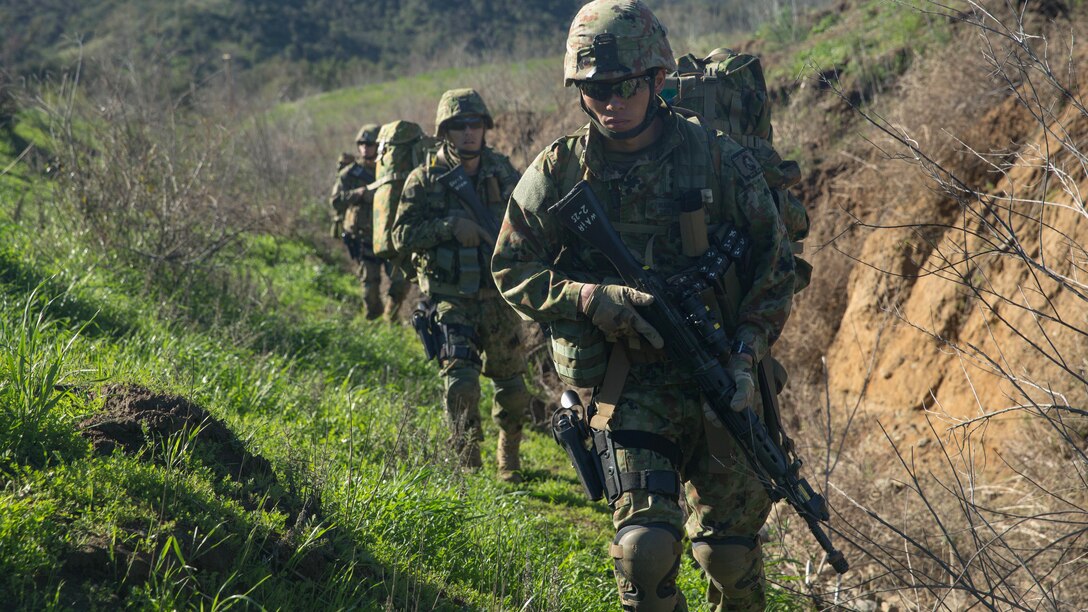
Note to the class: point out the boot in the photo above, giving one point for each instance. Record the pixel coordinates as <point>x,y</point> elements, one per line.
<point>391,309</point>
<point>372,306</point>
<point>470,456</point>
<point>508,457</point>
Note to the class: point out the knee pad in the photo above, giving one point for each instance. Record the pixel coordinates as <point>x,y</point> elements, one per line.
<point>463,393</point>
<point>647,560</point>
<point>735,568</point>
<point>513,399</point>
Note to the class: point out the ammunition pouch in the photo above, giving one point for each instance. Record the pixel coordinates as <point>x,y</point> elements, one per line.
<point>579,352</point>
<point>454,271</point>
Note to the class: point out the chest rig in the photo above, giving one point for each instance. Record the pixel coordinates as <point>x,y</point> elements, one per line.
<point>450,269</point>
<point>666,214</point>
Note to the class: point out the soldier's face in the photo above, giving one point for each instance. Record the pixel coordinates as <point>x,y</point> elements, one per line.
<point>466,134</point>
<point>368,151</point>
<point>620,114</point>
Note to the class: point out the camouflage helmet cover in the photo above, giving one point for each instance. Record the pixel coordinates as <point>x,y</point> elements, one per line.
<point>457,102</point>
<point>613,39</point>
<point>368,134</point>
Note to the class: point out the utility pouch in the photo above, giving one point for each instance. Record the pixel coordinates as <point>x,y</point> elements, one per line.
<point>579,352</point>
<point>693,228</point>
<point>423,321</point>
<point>468,273</point>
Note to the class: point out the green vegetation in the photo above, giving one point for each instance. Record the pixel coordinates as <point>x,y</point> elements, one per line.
<point>869,45</point>
<point>243,438</point>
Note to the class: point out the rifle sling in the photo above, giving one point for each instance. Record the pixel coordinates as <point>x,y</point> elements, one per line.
<point>611,387</point>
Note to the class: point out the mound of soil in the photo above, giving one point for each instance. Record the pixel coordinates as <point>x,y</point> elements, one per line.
<point>133,415</point>
<point>137,421</point>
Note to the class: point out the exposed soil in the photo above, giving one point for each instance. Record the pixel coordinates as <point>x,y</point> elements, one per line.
<point>134,416</point>
<point>141,422</point>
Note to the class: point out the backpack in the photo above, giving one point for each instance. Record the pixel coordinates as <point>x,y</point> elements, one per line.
<point>402,146</point>
<point>728,92</point>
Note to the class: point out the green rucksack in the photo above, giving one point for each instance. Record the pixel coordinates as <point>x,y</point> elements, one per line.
<point>402,146</point>
<point>728,91</point>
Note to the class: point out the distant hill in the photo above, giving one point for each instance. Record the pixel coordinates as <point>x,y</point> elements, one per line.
<point>314,43</point>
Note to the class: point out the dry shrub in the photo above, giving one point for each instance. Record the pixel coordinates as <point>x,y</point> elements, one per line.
<point>966,221</point>
<point>167,185</point>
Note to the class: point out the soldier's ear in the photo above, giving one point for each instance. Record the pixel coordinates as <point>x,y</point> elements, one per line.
<point>659,81</point>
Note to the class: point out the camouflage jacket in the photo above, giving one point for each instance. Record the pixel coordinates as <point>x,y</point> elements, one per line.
<point>539,266</point>
<point>353,211</point>
<point>425,219</point>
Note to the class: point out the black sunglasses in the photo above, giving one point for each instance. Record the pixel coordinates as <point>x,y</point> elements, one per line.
<point>463,123</point>
<point>603,92</point>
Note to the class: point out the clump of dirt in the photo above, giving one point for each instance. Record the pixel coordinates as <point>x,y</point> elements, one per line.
<point>137,421</point>
<point>134,416</point>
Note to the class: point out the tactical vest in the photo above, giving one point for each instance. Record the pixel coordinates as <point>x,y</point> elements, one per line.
<point>450,269</point>
<point>580,351</point>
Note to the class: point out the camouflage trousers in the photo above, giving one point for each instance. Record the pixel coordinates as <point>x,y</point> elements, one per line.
<point>726,505</point>
<point>481,336</point>
<point>370,273</point>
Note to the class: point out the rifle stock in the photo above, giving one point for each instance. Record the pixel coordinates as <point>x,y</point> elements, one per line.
<point>580,212</point>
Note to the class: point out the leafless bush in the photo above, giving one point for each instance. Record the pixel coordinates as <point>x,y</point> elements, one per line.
<point>983,505</point>
<point>169,185</point>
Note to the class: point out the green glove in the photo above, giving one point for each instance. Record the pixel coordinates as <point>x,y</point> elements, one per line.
<point>612,309</point>
<point>468,233</point>
<point>740,369</point>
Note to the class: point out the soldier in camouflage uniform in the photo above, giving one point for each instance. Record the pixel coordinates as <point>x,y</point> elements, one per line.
<point>451,252</point>
<point>352,221</point>
<point>642,160</point>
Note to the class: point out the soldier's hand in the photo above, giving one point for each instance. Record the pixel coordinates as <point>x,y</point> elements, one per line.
<point>612,310</point>
<point>740,369</point>
<point>357,195</point>
<point>337,228</point>
<point>468,233</point>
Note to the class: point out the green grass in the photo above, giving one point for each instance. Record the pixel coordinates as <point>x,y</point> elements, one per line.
<point>362,507</point>
<point>873,37</point>
<point>385,100</point>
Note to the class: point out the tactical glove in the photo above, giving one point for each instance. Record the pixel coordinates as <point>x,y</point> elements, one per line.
<point>740,369</point>
<point>612,309</point>
<point>360,194</point>
<point>468,233</point>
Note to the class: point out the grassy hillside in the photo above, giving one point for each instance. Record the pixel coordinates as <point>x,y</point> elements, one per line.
<point>196,416</point>
<point>287,48</point>
<point>231,432</point>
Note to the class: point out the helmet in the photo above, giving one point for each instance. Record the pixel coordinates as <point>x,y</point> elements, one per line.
<point>368,134</point>
<point>614,39</point>
<point>456,102</point>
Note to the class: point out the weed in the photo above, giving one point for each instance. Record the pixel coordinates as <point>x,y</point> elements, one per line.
<point>35,378</point>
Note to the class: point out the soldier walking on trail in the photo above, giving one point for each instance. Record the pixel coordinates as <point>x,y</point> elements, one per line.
<point>446,232</point>
<point>665,183</point>
<point>351,202</point>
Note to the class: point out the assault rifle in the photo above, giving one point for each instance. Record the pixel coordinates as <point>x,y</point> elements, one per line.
<point>694,340</point>
<point>459,183</point>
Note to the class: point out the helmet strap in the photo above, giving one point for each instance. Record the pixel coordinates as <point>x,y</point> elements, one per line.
<point>651,112</point>
<point>454,155</point>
